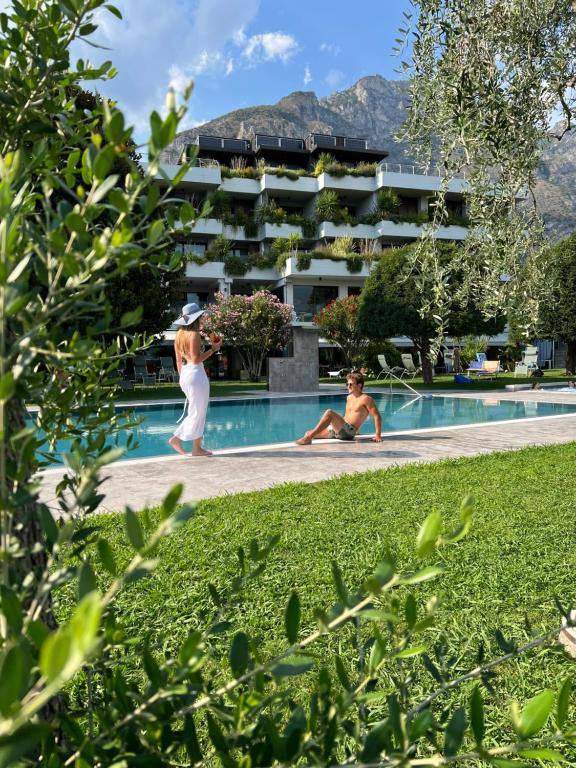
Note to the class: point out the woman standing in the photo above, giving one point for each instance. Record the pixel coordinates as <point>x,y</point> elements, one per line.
<point>193,379</point>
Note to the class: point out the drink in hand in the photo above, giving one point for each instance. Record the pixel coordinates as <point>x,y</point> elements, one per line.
<point>214,338</point>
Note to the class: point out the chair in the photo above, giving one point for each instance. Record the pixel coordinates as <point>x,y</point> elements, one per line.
<point>486,369</point>
<point>395,372</point>
<point>141,374</point>
<point>410,369</point>
<point>167,371</point>
<point>339,374</point>
<point>528,363</point>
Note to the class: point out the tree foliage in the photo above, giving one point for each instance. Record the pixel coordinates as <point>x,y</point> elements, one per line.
<point>559,315</point>
<point>255,325</point>
<point>338,322</point>
<point>488,80</point>
<point>396,301</point>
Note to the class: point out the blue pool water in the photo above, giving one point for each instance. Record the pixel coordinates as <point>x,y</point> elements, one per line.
<point>239,423</point>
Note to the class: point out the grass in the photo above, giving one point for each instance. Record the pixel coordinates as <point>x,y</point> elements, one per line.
<point>167,391</point>
<point>172,391</point>
<point>519,554</point>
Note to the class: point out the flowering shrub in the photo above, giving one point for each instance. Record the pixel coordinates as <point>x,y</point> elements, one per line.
<point>338,322</point>
<point>255,325</point>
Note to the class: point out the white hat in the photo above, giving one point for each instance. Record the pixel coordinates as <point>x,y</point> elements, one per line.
<point>190,313</point>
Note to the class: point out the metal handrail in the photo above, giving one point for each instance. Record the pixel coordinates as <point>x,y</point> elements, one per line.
<point>386,167</point>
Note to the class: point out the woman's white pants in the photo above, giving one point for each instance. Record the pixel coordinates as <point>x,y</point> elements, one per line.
<point>196,386</point>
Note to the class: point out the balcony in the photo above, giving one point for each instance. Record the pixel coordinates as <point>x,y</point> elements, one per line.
<point>204,175</point>
<point>219,143</point>
<point>303,186</point>
<point>212,270</point>
<point>325,268</point>
<point>207,227</point>
<point>409,231</point>
<point>364,185</point>
<point>404,176</point>
<point>326,142</point>
<point>269,231</point>
<point>329,229</point>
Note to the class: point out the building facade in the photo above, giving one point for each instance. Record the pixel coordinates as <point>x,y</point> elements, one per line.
<point>303,218</point>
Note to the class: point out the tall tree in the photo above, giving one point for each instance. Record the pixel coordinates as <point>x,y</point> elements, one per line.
<point>391,304</point>
<point>559,315</point>
<point>488,79</point>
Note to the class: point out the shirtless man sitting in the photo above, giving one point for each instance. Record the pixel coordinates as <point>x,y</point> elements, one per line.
<point>358,407</point>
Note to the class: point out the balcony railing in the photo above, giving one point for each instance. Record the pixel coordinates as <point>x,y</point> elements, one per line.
<point>218,142</point>
<point>282,142</point>
<point>386,167</point>
<point>323,140</point>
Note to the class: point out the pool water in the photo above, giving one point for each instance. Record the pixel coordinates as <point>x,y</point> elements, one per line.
<point>240,423</point>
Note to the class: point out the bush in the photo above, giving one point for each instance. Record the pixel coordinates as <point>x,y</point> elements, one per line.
<point>387,202</point>
<point>370,354</point>
<point>219,249</point>
<point>235,265</point>
<point>303,261</point>
<point>219,203</point>
<point>328,206</point>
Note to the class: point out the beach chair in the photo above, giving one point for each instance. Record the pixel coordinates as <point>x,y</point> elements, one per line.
<point>388,372</point>
<point>529,362</point>
<point>410,370</point>
<point>485,369</point>
<point>167,371</point>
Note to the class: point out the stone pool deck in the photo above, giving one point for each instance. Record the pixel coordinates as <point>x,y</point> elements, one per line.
<point>144,482</point>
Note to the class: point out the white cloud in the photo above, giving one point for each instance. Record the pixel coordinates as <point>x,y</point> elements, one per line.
<point>269,46</point>
<point>307,76</point>
<point>154,48</point>
<point>332,48</point>
<point>334,78</point>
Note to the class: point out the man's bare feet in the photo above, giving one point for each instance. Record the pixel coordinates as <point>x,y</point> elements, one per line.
<point>201,452</point>
<point>176,443</point>
<point>306,440</point>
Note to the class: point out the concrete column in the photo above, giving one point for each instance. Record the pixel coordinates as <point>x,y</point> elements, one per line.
<point>342,291</point>
<point>225,286</point>
<point>423,204</point>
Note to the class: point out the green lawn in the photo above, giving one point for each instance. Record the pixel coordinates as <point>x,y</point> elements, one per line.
<point>169,391</point>
<point>519,554</point>
<point>226,388</point>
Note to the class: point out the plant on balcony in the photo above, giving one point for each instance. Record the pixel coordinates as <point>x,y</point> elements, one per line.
<point>324,159</point>
<point>269,213</point>
<point>260,260</point>
<point>254,325</point>
<point>342,246</point>
<point>387,203</point>
<point>219,203</point>
<point>327,206</point>
<point>303,261</point>
<point>283,248</point>
<point>364,169</point>
<point>309,228</point>
<point>235,265</point>
<point>219,248</point>
<point>338,322</point>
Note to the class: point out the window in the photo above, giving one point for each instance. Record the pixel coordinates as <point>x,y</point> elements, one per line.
<point>310,299</point>
<point>354,290</point>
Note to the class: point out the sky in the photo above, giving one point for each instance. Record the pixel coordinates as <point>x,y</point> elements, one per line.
<point>240,53</point>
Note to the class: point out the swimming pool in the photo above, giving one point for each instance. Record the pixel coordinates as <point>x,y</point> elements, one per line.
<point>263,421</point>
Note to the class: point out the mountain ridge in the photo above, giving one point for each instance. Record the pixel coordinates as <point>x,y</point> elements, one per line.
<point>374,108</point>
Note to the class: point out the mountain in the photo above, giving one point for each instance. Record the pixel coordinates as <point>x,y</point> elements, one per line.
<point>374,108</point>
